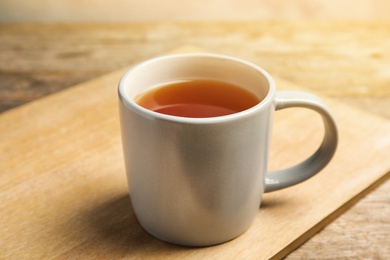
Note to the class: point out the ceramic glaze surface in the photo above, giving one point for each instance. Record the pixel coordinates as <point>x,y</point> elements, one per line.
<point>199,181</point>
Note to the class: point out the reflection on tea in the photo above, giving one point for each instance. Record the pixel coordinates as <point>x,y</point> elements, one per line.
<point>197,99</point>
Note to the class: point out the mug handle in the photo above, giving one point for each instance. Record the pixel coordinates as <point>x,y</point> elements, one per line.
<point>277,180</point>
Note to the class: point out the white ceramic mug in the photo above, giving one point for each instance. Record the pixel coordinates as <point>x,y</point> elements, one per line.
<point>199,181</point>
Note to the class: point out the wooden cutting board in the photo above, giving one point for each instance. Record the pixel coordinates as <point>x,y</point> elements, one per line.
<point>63,187</point>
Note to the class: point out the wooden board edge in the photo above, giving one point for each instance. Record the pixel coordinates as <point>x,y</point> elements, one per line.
<point>330,218</point>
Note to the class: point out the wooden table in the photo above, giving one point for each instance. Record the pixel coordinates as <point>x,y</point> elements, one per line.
<point>349,61</point>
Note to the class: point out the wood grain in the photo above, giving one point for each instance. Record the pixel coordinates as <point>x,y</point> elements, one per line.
<point>347,60</point>
<point>64,191</point>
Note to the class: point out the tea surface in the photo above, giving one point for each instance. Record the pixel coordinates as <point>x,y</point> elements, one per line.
<point>197,99</point>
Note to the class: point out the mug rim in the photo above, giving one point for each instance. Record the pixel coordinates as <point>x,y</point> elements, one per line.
<point>130,103</point>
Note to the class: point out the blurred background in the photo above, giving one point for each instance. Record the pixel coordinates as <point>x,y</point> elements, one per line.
<point>176,10</point>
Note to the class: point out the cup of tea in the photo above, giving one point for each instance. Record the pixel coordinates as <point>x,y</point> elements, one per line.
<point>196,132</point>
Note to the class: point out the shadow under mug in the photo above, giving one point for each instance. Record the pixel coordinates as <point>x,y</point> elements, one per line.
<point>199,181</point>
